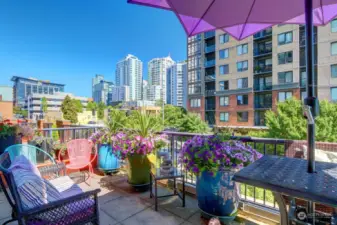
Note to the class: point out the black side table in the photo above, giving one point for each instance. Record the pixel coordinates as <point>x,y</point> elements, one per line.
<point>157,175</point>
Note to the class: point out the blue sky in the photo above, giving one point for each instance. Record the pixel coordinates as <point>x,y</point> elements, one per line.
<point>69,41</point>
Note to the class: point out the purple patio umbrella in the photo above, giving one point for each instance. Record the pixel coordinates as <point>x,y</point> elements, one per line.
<point>242,18</point>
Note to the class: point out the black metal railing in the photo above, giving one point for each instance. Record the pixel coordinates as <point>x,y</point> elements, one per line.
<point>263,105</point>
<point>265,69</point>
<point>249,194</point>
<point>209,34</point>
<point>265,33</point>
<point>262,52</point>
<point>263,87</point>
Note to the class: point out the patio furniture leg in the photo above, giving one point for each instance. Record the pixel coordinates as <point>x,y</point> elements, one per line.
<point>183,191</point>
<point>156,195</point>
<point>9,221</point>
<point>282,207</point>
<point>151,186</point>
<point>174,186</point>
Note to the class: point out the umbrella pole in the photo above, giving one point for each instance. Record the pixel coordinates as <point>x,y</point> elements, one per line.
<point>311,99</point>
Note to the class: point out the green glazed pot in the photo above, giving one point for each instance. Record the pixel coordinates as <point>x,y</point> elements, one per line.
<point>139,167</point>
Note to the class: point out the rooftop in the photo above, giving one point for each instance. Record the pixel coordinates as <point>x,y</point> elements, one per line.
<point>16,78</point>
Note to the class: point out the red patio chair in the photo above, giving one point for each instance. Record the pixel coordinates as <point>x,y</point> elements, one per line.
<point>79,152</point>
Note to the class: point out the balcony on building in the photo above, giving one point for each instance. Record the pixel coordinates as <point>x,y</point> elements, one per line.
<point>209,34</point>
<point>264,34</point>
<point>209,49</point>
<point>262,49</point>
<point>303,58</point>
<point>263,101</point>
<point>302,36</point>
<point>209,63</point>
<point>263,69</point>
<point>210,118</point>
<point>210,74</point>
<point>266,86</point>
<point>259,118</point>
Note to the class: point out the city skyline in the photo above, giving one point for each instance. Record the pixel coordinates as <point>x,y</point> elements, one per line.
<point>46,41</point>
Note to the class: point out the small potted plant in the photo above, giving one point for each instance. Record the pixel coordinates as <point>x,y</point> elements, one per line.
<point>44,143</point>
<point>60,150</point>
<point>214,161</point>
<point>7,134</point>
<point>25,131</point>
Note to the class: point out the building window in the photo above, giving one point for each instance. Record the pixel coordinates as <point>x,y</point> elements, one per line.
<point>224,53</point>
<point>223,38</point>
<point>224,85</point>
<point>285,57</point>
<point>224,116</point>
<point>284,95</point>
<point>242,99</point>
<point>303,95</point>
<point>334,48</point>
<point>334,94</point>
<point>334,71</point>
<point>285,77</point>
<point>242,66</point>
<point>285,38</point>
<point>224,69</point>
<point>334,26</point>
<point>194,88</point>
<point>242,49</point>
<point>34,89</point>
<point>40,89</point>
<point>224,101</point>
<point>242,116</point>
<point>195,102</point>
<point>243,83</point>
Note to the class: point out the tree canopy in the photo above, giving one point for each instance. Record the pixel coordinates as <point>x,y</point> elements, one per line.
<point>91,106</point>
<point>78,105</point>
<point>69,110</point>
<point>44,105</point>
<point>100,110</point>
<point>288,121</point>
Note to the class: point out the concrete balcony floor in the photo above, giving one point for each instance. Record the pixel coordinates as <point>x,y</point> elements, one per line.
<point>121,205</point>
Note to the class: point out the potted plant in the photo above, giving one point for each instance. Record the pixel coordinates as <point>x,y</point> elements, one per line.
<point>25,131</point>
<point>214,161</point>
<point>60,150</point>
<point>44,143</point>
<point>108,161</point>
<point>138,147</point>
<point>7,134</point>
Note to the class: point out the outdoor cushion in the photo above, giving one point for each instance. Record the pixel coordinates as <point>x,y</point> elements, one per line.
<point>33,190</point>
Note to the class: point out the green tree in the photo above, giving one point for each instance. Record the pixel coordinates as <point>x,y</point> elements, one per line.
<point>44,105</point>
<point>100,110</point>
<point>91,106</point>
<point>288,121</point>
<point>78,105</point>
<point>55,133</point>
<point>194,124</point>
<point>117,121</point>
<point>159,102</point>
<point>19,111</point>
<point>174,116</point>
<point>69,110</point>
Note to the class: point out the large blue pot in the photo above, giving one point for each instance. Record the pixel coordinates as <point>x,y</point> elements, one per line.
<point>107,160</point>
<point>218,195</point>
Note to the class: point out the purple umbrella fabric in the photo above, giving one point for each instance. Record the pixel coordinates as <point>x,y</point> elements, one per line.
<point>242,18</point>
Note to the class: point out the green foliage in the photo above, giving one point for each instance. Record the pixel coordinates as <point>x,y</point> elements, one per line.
<point>194,124</point>
<point>174,116</point>
<point>91,106</point>
<point>116,121</point>
<point>18,111</point>
<point>69,110</point>
<point>44,104</point>
<point>55,134</point>
<point>288,121</point>
<point>144,124</point>
<point>159,102</point>
<point>78,105</point>
<point>100,110</point>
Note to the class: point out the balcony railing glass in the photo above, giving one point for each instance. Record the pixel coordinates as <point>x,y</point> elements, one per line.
<point>265,69</point>
<point>210,63</point>
<point>263,87</point>
<point>264,33</point>
<point>259,52</point>
<point>209,34</point>
<point>210,77</point>
<point>210,48</point>
<point>262,105</point>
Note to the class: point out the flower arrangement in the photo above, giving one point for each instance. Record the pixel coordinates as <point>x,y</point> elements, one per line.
<point>61,147</point>
<point>25,130</point>
<point>213,154</point>
<point>7,129</point>
<point>101,137</point>
<point>129,144</point>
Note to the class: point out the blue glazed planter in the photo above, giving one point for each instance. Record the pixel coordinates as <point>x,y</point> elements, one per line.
<point>5,142</point>
<point>107,160</point>
<point>218,195</point>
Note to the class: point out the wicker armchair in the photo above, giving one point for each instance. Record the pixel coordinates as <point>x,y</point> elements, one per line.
<point>81,208</point>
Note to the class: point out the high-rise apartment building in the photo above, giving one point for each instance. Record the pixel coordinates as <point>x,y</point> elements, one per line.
<point>233,83</point>
<point>102,90</point>
<point>176,84</point>
<point>154,93</point>
<point>23,87</point>
<point>157,69</point>
<point>145,90</point>
<point>129,72</point>
<point>121,93</point>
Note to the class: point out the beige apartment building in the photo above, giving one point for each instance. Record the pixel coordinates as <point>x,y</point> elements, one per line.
<point>233,83</point>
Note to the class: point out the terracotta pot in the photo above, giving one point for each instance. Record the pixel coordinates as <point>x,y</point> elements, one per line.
<point>24,140</point>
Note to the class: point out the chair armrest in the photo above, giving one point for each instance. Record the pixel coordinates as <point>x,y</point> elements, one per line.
<point>53,169</point>
<point>61,206</point>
